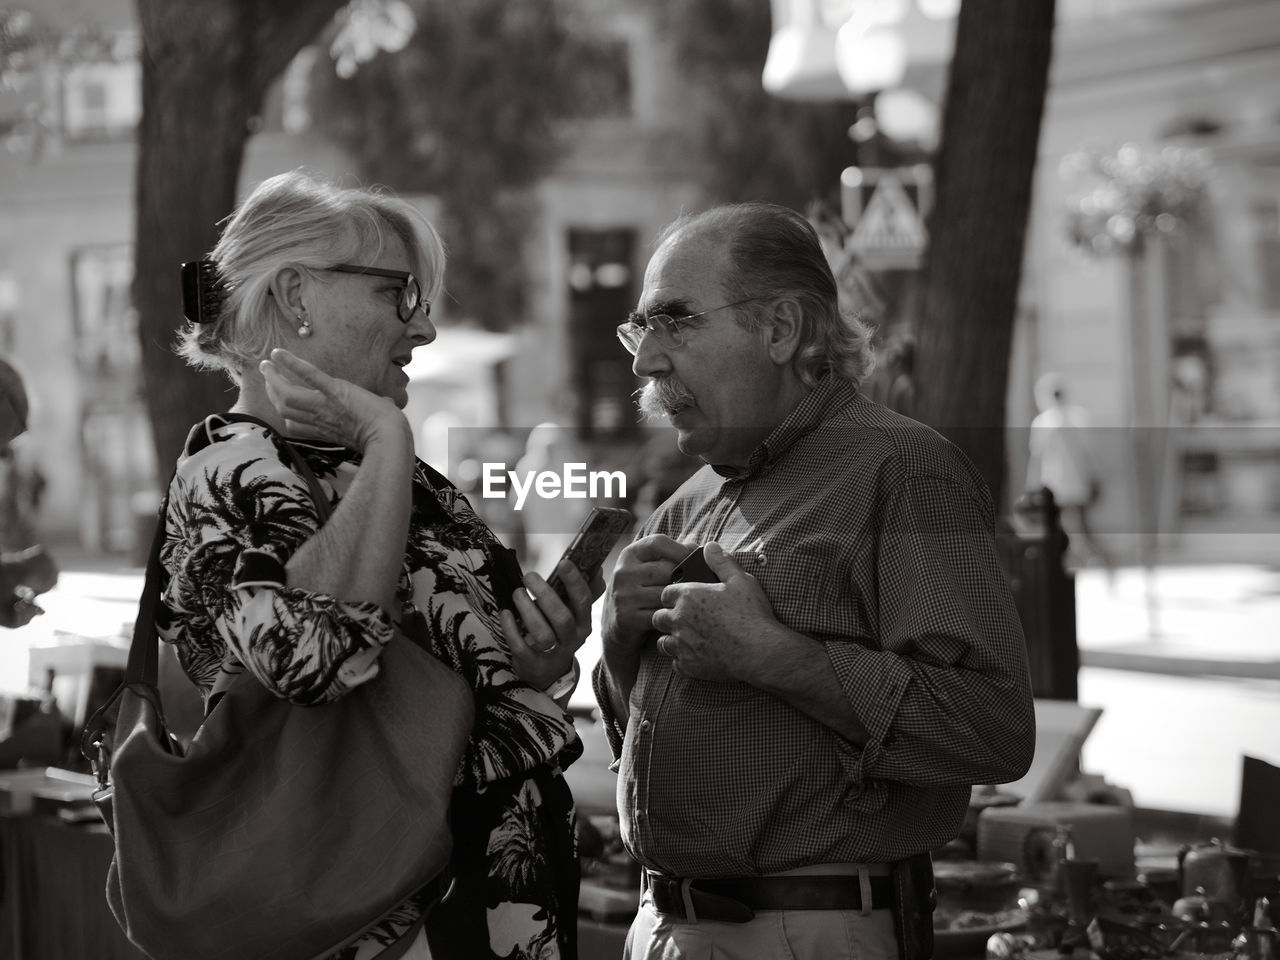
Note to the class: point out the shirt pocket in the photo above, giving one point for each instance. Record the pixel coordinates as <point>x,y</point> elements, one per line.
<point>811,587</point>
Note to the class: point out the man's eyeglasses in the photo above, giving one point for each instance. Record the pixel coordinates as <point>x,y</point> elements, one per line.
<point>410,294</point>
<point>664,327</point>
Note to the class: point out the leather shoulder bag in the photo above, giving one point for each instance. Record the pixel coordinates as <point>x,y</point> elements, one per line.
<point>282,831</point>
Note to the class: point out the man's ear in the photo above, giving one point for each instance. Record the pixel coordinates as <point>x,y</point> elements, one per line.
<point>783,331</point>
<point>286,288</point>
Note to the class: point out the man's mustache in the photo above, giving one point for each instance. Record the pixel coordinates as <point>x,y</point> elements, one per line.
<point>661,395</point>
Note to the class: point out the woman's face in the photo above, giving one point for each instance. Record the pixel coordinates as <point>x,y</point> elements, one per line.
<point>356,330</point>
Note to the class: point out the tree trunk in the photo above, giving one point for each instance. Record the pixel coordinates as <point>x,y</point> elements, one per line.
<point>990,134</point>
<point>206,65</point>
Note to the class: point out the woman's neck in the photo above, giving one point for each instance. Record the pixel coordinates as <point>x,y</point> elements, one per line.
<point>254,401</point>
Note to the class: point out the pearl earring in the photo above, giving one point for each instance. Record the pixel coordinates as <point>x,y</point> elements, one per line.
<point>304,330</point>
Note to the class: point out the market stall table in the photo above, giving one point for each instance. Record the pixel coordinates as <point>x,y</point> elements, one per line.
<point>54,899</point>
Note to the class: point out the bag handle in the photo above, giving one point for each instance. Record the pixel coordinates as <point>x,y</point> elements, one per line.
<point>143,665</point>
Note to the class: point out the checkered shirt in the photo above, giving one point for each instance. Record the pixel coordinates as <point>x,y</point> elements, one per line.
<point>872,535</point>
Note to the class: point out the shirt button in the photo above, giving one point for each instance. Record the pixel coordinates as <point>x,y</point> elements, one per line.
<point>645,725</point>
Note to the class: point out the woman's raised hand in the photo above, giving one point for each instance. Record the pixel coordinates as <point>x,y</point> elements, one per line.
<point>315,404</point>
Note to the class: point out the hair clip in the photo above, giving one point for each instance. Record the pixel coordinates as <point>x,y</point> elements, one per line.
<point>203,291</point>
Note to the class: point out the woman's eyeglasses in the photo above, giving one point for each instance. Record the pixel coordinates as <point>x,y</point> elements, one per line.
<point>410,294</point>
<point>665,328</point>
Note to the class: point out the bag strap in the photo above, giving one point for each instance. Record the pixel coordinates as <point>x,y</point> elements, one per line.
<point>303,469</point>
<point>143,665</point>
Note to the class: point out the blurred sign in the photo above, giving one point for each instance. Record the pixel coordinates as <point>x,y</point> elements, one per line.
<point>886,210</point>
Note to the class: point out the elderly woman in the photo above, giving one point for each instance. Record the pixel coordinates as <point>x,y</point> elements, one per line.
<point>312,302</point>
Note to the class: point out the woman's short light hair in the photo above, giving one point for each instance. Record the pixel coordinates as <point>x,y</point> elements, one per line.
<point>300,220</point>
<point>775,252</point>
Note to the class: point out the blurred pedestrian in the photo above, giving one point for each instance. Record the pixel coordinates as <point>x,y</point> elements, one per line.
<point>26,570</point>
<point>1064,460</point>
<point>660,469</point>
<point>14,405</point>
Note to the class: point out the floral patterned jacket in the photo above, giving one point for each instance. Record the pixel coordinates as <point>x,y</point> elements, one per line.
<point>236,513</point>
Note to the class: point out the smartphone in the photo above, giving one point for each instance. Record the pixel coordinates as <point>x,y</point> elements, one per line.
<point>592,543</point>
<point>694,569</point>
<point>505,575</point>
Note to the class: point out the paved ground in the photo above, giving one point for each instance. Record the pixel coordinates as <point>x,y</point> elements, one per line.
<point>1221,619</point>
<point>1184,661</point>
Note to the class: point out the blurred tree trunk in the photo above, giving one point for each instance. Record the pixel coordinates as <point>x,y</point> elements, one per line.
<point>990,134</point>
<point>206,66</point>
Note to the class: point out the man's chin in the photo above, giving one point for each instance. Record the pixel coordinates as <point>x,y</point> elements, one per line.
<point>688,442</point>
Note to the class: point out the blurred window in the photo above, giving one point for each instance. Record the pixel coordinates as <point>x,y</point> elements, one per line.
<point>604,69</point>
<point>601,292</point>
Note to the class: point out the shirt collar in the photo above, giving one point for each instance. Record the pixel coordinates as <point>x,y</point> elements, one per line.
<point>830,392</point>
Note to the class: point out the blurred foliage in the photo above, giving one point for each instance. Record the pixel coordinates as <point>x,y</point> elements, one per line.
<point>470,110</point>
<point>751,145</point>
<point>28,39</point>
<point>367,28</point>
<point>30,45</point>
<point>1132,194</point>
<point>20,31</point>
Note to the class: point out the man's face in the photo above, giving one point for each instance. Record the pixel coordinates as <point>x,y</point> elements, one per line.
<point>719,388</point>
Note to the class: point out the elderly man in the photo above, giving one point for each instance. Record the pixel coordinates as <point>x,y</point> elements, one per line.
<point>795,738</point>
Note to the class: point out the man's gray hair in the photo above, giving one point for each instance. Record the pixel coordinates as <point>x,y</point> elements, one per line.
<point>775,252</point>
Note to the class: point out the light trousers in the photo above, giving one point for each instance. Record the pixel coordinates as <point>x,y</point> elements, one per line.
<point>772,935</point>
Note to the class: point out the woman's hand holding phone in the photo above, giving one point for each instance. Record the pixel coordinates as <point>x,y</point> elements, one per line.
<point>554,627</point>
<point>556,612</point>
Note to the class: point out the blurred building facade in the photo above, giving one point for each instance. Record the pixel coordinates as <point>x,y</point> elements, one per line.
<point>1167,328</point>
<point>66,198</point>
<point>1194,319</point>
<point>66,264</point>
<point>1194,74</point>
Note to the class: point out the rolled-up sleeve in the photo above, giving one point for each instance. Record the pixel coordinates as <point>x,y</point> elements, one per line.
<point>232,526</point>
<point>944,694</point>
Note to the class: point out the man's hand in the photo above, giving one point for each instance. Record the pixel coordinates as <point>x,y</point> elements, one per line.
<point>635,593</point>
<point>23,575</point>
<point>643,570</point>
<point>720,631</point>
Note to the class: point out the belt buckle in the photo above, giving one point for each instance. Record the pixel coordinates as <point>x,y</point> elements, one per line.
<point>715,906</point>
<point>667,893</point>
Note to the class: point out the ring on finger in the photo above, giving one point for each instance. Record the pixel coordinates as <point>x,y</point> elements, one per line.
<point>550,649</point>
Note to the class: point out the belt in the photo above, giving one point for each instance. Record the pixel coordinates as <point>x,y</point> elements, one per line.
<point>736,899</point>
